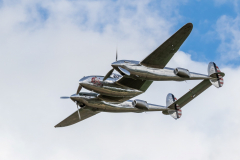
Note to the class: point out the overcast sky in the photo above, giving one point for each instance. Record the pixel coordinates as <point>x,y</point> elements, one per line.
<point>48,45</point>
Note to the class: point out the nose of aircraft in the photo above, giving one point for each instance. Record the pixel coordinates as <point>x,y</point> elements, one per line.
<point>74,97</point>
<point>83,80</point>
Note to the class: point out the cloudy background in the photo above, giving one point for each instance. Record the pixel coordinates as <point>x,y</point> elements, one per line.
<point>48,45</point>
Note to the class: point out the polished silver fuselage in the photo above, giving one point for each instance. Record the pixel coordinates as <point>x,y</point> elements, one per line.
<point>139,71</point>
<point>109,87</point>
<point>96,104</point>
<point>166,74</point>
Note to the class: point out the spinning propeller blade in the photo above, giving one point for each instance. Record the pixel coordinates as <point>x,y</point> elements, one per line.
<point>64,97</point>
<point>108,74</point>
<point>79,89</point>
<point>111,71</point>
<point>78,112</point>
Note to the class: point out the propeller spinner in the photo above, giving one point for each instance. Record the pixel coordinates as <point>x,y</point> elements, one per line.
<point>78,91</point>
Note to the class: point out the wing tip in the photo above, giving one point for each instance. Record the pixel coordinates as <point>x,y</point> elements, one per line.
<point>190,25</point>
<point>56,126</point>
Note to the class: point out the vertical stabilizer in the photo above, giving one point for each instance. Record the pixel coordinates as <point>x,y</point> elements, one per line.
<point>214,71</point>
<point>177,112</point>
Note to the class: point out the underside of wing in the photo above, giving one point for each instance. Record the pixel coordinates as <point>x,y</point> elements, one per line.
<point>74,118</point>
<point>138,84</point>
<point>162,55</point>
<point>113,99</point>
<point>193,93</point>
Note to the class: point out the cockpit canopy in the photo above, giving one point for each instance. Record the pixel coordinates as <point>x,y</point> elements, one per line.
<point>114,75</point>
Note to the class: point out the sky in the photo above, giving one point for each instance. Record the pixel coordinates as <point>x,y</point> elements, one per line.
<point>48,45</point>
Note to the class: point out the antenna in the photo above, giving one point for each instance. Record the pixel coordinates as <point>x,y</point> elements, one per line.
<point>116,55</point>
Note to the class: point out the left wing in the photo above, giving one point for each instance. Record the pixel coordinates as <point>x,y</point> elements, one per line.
<point>193,93</point>
<point>162,55</point>
<point>138,84</point>
<point>74,118</point>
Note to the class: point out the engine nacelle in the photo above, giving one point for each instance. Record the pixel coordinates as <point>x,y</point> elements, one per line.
<point>181,72</point>
<point>140,104</point>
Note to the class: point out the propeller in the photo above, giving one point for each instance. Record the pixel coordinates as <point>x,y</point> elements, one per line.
<point>108,74</point>
<point>111,71</point>
<point>64,97</point>
<point>78,111</point>
<point>79,89</point>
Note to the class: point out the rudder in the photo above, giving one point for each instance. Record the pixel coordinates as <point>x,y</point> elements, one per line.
<point>177,113</point>
<point>214,71</point>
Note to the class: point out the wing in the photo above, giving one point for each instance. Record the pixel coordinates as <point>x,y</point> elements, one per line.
<point>138,84</point>
<point>141,85</point>
<point>162,55</point>
<point>205,84</point>
<point>74,118</point>
<point>113,99</point>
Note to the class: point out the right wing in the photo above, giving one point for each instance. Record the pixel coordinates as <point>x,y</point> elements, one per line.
<point>162,55</point>
<point>193,93</point>
<point>74,118</point>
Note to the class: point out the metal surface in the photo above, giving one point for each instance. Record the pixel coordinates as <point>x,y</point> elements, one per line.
<point>182,72</point>
<point>93,104</point>
<point>214,71</point>
<point>112,92</point>
<point>138,71</point>
<point>108,87</point>
<point>140,104</point>
<point>96,104</point>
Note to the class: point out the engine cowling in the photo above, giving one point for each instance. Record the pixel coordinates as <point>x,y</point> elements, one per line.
<point>181,72</point>
<point>140,104</point>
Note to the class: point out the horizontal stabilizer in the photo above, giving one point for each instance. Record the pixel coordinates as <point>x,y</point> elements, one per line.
<point>215,75</point>
<point>193,93</point>
<point>74,118</point>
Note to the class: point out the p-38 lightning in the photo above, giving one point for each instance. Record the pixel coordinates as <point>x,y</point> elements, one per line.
<point>112,92</point>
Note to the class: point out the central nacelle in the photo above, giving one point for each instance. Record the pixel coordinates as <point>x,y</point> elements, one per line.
<point>181,72</point>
